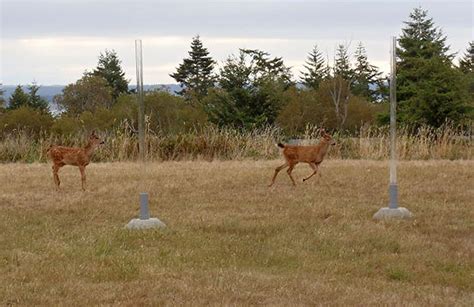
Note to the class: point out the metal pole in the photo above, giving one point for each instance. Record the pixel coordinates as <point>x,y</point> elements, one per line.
<point>141,106</point>
<point>393,190</point>
<point>145,221</point>
<point>393,211</point>
<point>144,215</point>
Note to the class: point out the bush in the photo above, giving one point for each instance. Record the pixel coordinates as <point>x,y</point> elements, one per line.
<point>361,112</point>
<point>26,119</point>
<point>315,108</point>
<point>87,94</point>
<point>169,114</point>
<point>66,125</point>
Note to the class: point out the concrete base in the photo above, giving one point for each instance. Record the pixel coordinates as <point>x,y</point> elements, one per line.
<point>145,224</point>
<point>389,213</point>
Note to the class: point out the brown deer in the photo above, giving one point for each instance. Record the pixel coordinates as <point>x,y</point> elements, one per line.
<point>313,155</point>
<point>80,157</point>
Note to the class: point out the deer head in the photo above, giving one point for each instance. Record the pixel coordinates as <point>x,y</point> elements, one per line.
<point>94,140</point>
<point>327,137</point>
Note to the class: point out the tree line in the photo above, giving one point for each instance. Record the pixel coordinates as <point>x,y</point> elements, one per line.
<point>253,89</point>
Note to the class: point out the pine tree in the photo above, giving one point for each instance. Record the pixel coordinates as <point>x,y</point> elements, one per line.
<point>265,69</point>
<point>316,69</point>
<point>18,99</point>
<point>109,68</point>
<point>421,39</point>
<point>366,76</point>
<point>2,99</point>
<point>429,89</point>
<point>36,101</point>
<point>195,74</point>
<point>342,65</point>
<point>340,83</point>
<point>250,92</point>
<point>466,64</point>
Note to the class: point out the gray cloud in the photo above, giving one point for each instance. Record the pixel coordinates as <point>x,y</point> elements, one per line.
<point>54,41</point>
<point>296,19</point>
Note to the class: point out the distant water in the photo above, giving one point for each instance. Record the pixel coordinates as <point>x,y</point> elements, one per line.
<point>49,91</point>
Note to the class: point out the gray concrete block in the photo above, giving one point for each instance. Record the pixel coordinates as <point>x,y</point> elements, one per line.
<point>145,224</point>
<point>392,213</point>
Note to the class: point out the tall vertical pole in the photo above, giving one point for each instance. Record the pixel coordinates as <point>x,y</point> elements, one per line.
<point>393,189</point>
<point>144,215</point>
<point>141,106</point>
<point>145,221</point>
<point>393,210</point>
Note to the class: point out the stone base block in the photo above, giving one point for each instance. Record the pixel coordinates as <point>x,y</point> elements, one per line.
<point>389,213</point>
<point>145,224</point>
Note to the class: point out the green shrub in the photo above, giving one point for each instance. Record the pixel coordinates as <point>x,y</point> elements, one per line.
<point>25,119</point>
<point>167,113</point>
<point>66,125</point>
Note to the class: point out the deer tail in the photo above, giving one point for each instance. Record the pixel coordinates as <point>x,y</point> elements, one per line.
<point>281,145</point>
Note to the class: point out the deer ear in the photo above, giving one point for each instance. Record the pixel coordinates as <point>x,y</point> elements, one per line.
<point>93,132</point>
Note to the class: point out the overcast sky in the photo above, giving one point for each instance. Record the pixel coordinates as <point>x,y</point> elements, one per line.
<point>55,41</point>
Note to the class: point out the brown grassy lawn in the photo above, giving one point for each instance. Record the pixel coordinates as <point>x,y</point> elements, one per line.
<point>232,240</point>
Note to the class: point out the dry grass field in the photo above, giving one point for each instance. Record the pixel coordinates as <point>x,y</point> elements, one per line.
<point>231,240</point>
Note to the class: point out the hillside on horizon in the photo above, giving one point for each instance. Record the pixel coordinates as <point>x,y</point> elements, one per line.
<point>49,91</point>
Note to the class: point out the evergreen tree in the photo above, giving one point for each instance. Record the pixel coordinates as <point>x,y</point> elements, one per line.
<point>195,74</point>
<point>250,93</point>
<point>35,101</point>
<point>265,69</point>
<point>18,99</point>
<point>429,89</point>
<point>2,99</point>
<point>340,83</point>
<point>316,69</point>
<point>421,39</point>
<point>466,64</point>
<point>109,68</point>
<point>367,81</point>
<point>342,65</point>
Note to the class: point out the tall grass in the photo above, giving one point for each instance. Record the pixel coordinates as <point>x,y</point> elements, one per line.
<point>445,142</point>
<point>212,143</point>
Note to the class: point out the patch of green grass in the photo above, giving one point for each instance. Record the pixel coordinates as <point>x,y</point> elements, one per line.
<point>398,273</point>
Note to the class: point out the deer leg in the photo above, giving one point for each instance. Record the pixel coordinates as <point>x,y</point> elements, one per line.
<point>315,170</point>
<point>277,170</point>
<point>290,169</point>
<point>56,168</point>
<point>82,169</point>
